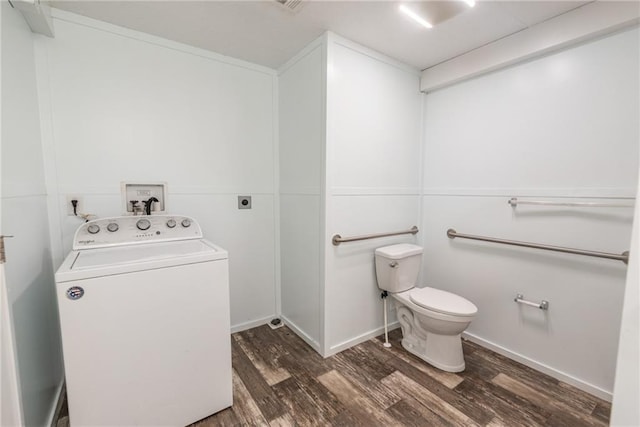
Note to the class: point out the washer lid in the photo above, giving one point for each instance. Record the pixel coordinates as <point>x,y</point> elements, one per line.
<point>140,253</point>
<point>442,301</point>
<point>89,263</point>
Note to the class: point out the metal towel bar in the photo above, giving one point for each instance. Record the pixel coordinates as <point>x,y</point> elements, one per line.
<point>337,239</point>
<point>515,202</point>
<point>624,257</point>
<point>542,305</point>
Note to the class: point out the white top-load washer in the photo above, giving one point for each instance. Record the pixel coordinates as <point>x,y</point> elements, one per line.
<point>144,314</point>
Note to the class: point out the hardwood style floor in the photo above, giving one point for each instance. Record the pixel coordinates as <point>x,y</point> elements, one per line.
<point>279,380</point>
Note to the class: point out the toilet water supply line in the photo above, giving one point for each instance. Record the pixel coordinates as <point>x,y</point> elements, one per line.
<point>384,295</point>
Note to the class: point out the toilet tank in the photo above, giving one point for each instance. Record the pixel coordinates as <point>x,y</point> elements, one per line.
<point>397,266</point>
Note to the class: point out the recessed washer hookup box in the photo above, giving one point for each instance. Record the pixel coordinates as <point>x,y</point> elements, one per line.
<point>136,195</point>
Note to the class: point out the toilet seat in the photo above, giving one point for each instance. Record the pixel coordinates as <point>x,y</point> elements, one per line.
<point>442,302</point>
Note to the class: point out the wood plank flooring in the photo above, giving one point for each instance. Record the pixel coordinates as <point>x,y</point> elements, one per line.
<point>278,380</point>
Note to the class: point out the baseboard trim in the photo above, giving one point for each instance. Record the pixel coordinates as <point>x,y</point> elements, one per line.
<point>299,332</point>
<point>541,367</point>
<point>360,339</point>
<point>57,408</point>
<point>251,324</point>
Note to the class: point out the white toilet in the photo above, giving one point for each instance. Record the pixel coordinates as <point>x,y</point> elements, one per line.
<point>431,320</point>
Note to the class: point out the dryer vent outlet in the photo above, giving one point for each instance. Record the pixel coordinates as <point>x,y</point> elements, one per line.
<point>244,202</point>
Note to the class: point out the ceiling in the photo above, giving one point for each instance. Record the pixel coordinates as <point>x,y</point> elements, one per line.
<point>267,33</point>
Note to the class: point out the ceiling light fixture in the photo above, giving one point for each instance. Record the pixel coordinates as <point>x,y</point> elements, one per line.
<point>404,9</point>
<point>470,3</point>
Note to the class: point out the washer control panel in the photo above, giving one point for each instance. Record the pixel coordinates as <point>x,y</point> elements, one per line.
<point>129,230</point>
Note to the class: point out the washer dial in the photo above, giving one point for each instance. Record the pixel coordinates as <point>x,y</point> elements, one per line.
<point>186,222</point>
<point>93,228</point>
<point>171,223</point>
<point>143,224</point>
<point>113,227</point>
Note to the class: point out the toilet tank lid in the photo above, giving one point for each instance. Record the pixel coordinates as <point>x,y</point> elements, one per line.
<point>399,251</point>
<point>443,301</point>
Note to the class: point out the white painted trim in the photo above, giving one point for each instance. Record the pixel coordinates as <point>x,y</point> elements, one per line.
<point>360,339</point>
<point>420,222</point>
<point>541,367</point>
<point>275,123</point>
<point>221,190</point>
<point>592,20</point>
<point>299,332</point>
<point>375,191</point>
<point>173,190</point>
<point>300,191</point>
<point>251,324</point>
<point>48,148</point>
<point>596,193</point>
<point>307,50</point>
<point>341,41</point>
<point>73,18</point>
<point>23,196</point>
<point>325,202</point>
<point>583,193</point>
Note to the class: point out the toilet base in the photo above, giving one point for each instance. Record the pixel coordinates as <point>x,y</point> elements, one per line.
<point>444,353</point>
<point>441,351</point>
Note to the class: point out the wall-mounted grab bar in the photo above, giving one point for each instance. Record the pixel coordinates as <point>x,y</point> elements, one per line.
<point>337,239</point>
<point>542,305</point>
<point>624,257</point>
<point>515,202</point>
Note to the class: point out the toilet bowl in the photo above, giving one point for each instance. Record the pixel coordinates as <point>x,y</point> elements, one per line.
<point>432,320</point>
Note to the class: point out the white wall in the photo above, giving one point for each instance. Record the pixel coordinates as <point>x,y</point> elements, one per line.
<point>119,105</point>
<point>626,392</point>
<point>29,273</point>
<point>564,125</point>
<point>372,180</point>
<point>301,84</point>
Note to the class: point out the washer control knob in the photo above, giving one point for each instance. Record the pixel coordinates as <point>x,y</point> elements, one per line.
<point>171,223</point>
<point>143,224</point>
<point>93,228</point>
<point>186,222</point>
<point>113,227</point>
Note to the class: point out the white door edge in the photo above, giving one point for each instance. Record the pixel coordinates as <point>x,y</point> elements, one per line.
<point>11,408</point>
